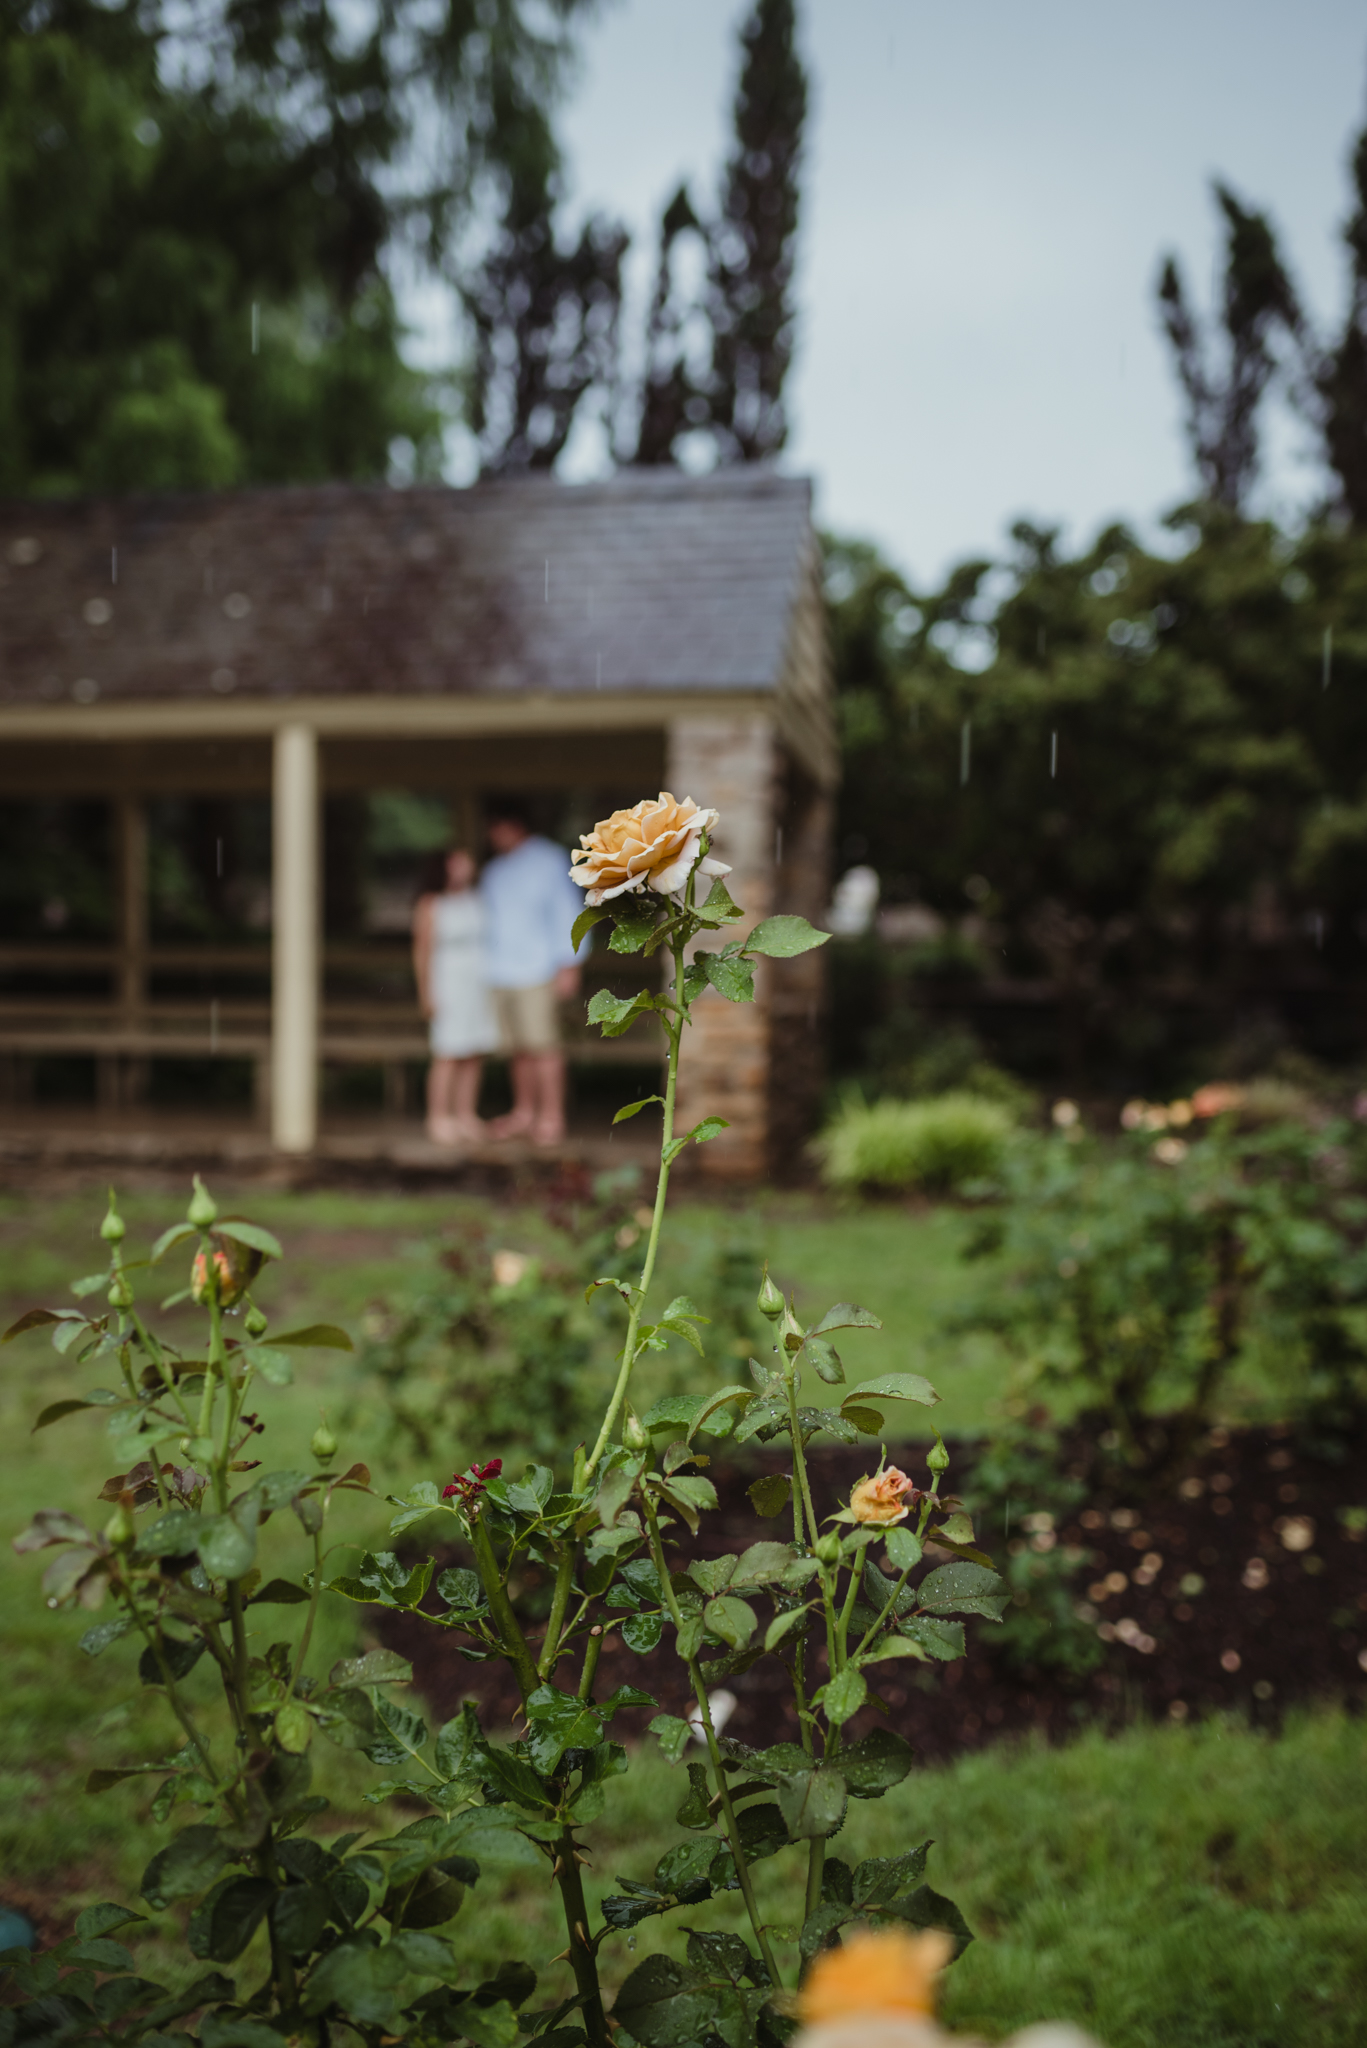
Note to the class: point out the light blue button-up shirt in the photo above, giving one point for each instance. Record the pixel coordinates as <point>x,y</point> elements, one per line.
<point>530,904</point>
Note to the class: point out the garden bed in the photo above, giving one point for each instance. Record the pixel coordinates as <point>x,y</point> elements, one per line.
<point>1243,1585</point>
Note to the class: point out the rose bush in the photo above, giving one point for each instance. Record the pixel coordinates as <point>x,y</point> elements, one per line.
<point>347,1924</point>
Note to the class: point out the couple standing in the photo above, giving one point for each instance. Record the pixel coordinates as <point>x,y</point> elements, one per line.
<point>493,961</point>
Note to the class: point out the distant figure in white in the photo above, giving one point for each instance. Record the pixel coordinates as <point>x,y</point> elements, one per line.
<point>452,975</point>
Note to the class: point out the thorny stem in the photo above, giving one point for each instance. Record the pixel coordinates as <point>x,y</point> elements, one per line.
<point>315,1593</point>
<point>718,1771</point>
<point>800,1455</point>
<point>560,1600</point>
<point>592,1651</point>
<point>674,1027</point>
<point>501,1607</point>
<point>582,1955</point>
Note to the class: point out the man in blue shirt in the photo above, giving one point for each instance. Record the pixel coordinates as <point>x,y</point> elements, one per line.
<point>530,904</point>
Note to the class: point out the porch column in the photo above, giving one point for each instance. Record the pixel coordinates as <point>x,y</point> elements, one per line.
<point>132,914</point>
<point>731,762</point>
<point>294,939</point>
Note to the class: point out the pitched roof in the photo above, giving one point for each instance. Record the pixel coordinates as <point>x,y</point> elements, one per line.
<point>649,581</point>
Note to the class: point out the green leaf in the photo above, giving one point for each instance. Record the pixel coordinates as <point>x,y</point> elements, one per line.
<point>904,1549</point>
<point>895,1386</point>
<point>185,1868</point>
<point>729,976</point>
<point>880,1879</point>
<point>712,1403</point>
<point>460,1745</point>
<point>642,1632</point>
<point>735,1621</point>
<point>824,1360</point>
<point>686,1865</point>
<point>783,938</point>
<point>763,1563</point>
<point>874,1764</point>
<point>35,1318</point>
<point>631,930</point>
<point>177,1234</point>
<point>56,1410</point>
<point>376,1667</point>
<point>688,1637</point>
<point>252,1235</point>
<point>673,1735</point>
<point>813,1803</point>
<point>719,909</point>
<point>634,1108</point>
<point>101,1634</point>
<point>91,1284</point>
<point>944,1640</point>
<point>819,1926</point>
<point>227,1543</point>
<point>583,925</point>
<point>279,1593</point>
<point>318,1337</point>
<point>963,1588</point>
<point>222,1927</point>
<point>103,1919</point>
<point>663,2005</point>
<point>844,1695</point>
<point>867,1421</point>
<point>846,1316</point>
<point>712,1574</point>
<point>179,1656</point>
<point>926,1908</point>
<point>893,1646</point>
<point>710,1127</point>
<point>616,1014</point>
<point>782,1626</point>
<point>770,1495</point>
<point>275,1366</point>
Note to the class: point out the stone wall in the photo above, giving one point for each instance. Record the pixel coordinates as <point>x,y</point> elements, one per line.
<point>756,1064</point>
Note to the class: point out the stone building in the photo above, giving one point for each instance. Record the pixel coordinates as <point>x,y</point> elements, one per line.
<point>587,645</point>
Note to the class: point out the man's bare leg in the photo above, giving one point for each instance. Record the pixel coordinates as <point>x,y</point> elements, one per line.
<point>522,1117</point>
<point>465,1098</point>
<point>439,1118</point>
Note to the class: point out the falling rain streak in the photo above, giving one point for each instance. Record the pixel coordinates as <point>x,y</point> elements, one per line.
<point>1053,755</point>
<point>256,328</point>
<point>1328,658</point>
<point>965,750</point>
<point>113,565</point>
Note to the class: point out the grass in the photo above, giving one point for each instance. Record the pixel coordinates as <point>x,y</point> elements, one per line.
<point>1194,1888</point>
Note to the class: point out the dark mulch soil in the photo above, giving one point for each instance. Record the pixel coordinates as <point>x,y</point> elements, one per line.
<point>1241,1586</point>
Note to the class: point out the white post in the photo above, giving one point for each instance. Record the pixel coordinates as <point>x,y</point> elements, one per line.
<point>294,940</point>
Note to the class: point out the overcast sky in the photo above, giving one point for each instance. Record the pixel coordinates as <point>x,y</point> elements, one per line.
<point>988,192</point>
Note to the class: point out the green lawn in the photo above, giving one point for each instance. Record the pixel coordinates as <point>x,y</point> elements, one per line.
<point>1194,1888</point>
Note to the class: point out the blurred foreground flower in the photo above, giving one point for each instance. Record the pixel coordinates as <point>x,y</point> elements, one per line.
<point>878,1991</point>
<point>655,842</point>
<point>1215,1098</point>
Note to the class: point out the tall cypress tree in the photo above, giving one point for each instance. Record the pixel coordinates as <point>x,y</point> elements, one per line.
<point>1223,396</point>
<point>753,244</point>
<point>1340,375</point>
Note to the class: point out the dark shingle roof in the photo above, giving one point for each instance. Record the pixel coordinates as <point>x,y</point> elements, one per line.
<point>649,581</point>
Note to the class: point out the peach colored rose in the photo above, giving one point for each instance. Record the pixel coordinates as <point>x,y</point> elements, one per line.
<point>655,843</point>
<point>880,1499</point>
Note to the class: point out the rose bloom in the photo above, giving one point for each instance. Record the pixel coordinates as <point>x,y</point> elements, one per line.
<point>228,1287</point>
<point>880,1499</point>
<point>655,842</point>
<point>890,1971</point>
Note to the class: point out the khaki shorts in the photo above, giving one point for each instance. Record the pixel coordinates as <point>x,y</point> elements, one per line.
<point>528,1018</point>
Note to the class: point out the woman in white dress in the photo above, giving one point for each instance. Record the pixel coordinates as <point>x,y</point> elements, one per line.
<point>448,960</point>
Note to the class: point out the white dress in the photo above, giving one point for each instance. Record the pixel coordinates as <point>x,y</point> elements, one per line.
<point>463,1022</point>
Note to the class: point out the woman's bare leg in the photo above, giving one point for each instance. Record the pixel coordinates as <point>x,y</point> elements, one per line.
<point>465,1080</point>
<point>440,1076</point>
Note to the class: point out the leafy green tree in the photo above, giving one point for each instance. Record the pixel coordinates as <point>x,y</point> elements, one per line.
<point>1149,798</point>
<point>197,218</point>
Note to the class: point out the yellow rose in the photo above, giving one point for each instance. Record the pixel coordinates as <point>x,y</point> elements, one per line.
<point>655,843</point>
<point>880,1499</point>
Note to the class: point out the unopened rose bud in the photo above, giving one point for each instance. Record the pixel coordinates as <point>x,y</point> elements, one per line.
<point>203,1209</point>
<point>323,1443</point>
<point>827,1548</point>
<point>120,1294</point>
<point>255,1321</point>
<point>634,1436</point>
<point>770,1301</point>
<point>792,1331</point>
<point>119,1530</point>
<point>112,1229</point>
<point>937,1458</point>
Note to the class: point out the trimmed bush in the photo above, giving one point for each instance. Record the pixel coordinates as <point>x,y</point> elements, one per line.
<point>940,1143</point>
